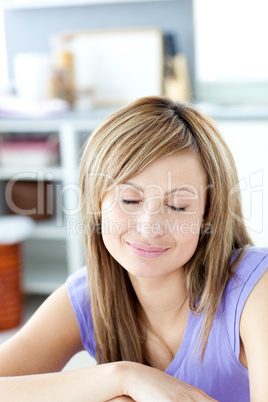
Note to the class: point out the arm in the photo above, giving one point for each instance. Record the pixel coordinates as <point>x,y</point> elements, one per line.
<point>254,336</point>
<point>47,341</point>
<point>148,384</point>
<point>44,345</point>
<point>30,360</point>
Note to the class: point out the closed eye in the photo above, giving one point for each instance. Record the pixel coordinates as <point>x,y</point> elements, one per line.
<point>129,202</point>
<point>177,209</point>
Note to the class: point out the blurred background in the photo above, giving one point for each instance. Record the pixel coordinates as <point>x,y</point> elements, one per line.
<point>65,65</point>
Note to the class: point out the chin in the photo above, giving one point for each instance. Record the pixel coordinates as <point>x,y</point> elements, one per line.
<point>146,272</point>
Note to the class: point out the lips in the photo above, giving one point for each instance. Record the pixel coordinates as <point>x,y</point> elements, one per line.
<point>147,251</point>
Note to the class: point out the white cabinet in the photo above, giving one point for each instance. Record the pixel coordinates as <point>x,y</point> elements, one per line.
<point>55,248</point>
<point>248,141</point>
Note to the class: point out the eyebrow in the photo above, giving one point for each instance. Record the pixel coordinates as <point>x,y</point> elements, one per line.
<point>174,190</point>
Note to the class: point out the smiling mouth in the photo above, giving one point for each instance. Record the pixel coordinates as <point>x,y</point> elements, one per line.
<point>146,251</point>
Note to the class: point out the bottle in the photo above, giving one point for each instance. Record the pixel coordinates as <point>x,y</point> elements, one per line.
<point>62,81</point>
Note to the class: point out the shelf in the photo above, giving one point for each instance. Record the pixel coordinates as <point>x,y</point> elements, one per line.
<point>43,278</point>
<point>234,112</point>
<point>48,229</point>
<point>44,265</point>
<point>54,249</point>
<point>78,121</point>
<point>50,173</point>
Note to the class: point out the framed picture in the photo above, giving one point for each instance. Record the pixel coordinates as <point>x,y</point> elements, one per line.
<point>116,65</point>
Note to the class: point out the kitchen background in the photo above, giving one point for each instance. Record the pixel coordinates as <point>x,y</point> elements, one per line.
<point>65,65</point>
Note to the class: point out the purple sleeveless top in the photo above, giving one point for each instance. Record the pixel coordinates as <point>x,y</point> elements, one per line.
<point>220,375</point>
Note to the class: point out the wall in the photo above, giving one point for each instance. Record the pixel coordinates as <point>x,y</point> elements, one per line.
<point>231,57</point>
<point>29,30</point>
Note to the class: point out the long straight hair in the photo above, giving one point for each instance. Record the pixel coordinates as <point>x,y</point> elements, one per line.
<point>122,146</point>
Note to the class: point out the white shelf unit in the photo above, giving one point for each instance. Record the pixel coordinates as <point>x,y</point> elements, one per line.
<point>54,251</point>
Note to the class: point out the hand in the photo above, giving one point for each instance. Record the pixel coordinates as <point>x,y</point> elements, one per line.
<point>147,384</point>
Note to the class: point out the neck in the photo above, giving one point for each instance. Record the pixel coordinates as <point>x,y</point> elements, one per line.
<point>163,299</point>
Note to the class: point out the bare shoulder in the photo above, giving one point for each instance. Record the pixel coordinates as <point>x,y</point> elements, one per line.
<point>253,333</point>
<point>46,342</point>
<point>255,309</point>
<point>258,295</point>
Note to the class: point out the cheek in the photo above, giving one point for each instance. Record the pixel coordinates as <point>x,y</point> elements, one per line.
<point>186,233</point>
<point>186,225</point>
<point>114,226</point>
<point>114,223</point>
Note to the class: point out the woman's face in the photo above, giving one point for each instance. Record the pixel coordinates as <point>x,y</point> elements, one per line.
<point>151,222</point>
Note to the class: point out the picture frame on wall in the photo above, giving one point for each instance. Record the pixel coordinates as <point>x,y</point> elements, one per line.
<point>116,65</point>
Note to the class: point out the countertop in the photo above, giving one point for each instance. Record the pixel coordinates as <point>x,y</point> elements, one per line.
<point>216,112</point>
<point>234,112</point>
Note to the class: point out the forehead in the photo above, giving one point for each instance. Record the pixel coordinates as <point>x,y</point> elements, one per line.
<point>182,168</point>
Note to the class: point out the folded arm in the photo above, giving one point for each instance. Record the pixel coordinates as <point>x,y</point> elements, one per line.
<point>31,361</point>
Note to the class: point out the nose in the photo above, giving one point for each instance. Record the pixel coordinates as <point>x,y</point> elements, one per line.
<point>150,221</point>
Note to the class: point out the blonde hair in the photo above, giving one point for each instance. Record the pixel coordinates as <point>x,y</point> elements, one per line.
<point>123,145</point>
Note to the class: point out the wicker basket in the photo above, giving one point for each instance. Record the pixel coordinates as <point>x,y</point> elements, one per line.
<point>11,298</point>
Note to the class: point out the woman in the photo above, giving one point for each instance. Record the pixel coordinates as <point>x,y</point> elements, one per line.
<point>172,306</point>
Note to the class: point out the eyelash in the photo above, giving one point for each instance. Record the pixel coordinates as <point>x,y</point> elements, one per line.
<point>177,209</point>
<point>133,202</point>
<point>129,202</point>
